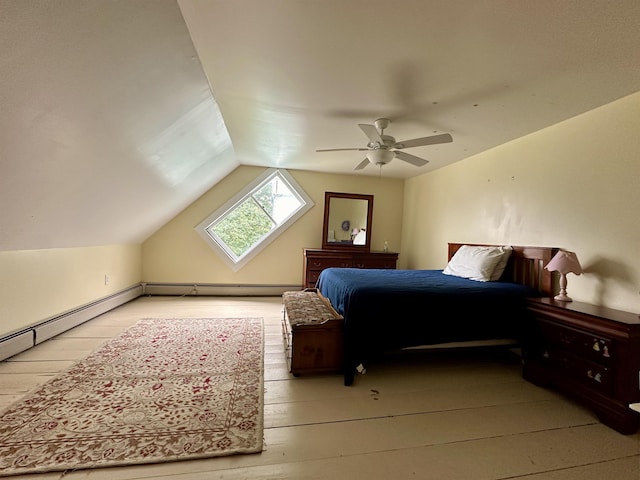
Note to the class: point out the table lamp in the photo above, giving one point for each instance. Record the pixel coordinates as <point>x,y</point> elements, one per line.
<point>564,262</point>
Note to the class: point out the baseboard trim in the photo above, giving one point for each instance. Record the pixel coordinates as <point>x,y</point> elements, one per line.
<point>216,290</point>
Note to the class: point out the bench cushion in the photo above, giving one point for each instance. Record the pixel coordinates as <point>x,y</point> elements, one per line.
<point>308,307</point>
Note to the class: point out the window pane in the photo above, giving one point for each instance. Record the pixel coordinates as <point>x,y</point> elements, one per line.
<point>278,200</point>
<point>242,227</point>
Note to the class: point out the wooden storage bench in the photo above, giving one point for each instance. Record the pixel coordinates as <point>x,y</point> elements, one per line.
<point>312,333</point>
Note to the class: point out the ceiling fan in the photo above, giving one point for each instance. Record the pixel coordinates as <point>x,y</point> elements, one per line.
<point>382,148</point>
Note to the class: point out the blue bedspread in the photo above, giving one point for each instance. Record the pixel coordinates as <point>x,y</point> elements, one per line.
<point>389,309</point>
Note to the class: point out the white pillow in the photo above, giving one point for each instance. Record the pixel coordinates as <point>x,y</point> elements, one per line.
<point>502,263</point>
<point>475,263</point>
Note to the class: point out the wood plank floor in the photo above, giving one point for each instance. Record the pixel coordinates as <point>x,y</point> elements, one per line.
<point>463,414</point>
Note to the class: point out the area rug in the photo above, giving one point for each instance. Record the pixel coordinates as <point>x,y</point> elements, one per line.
<point>163,390</point>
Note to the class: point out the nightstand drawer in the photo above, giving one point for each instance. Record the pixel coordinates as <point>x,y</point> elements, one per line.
<point>591,374</point>
<point>593,347</point>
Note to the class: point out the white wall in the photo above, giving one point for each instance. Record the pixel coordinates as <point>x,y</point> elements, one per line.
<point>575,185</point>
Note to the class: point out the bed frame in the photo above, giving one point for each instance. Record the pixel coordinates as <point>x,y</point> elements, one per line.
<point>526,266</point>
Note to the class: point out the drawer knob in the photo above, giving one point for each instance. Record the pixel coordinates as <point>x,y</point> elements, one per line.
<point>597,377</point>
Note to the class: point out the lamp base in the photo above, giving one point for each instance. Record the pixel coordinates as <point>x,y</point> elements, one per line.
<point>563,298</point>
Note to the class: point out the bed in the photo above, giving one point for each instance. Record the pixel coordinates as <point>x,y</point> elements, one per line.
<point>391,309</point>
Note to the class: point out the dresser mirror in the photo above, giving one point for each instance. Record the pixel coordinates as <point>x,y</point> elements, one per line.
<point>347,221</point>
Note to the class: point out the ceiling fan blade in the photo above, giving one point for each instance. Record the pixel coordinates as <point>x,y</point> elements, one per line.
<point>341,149</point>
<point>362,164</point>
<point>419,142</point>
<point>371,132</point>
<point>412,159</point>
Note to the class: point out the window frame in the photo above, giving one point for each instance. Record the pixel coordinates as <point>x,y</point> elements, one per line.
<point>267,176</point>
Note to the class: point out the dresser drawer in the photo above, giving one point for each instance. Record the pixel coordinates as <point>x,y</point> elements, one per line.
<point>588,345</point>
<point>322,263</point>
<point>591,374</point>
<point>312,278</point>
<point>315,261</point>
<point>374,263</point>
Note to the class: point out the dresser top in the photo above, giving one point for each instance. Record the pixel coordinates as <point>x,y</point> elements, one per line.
<point>348,252</point>
<point>589,309</point>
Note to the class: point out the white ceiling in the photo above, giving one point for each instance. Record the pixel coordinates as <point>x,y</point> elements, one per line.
<point>109,126</point>
<point>292,76</point>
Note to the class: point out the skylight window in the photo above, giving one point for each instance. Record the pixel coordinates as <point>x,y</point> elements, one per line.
<point>255,217</point>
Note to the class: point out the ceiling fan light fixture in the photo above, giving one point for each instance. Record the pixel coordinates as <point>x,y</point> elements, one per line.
<point>381,148</point>
<point>380,156</point>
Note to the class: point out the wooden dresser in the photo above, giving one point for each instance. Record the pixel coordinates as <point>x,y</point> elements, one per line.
<point>316,260</point>
<point>589,352</point>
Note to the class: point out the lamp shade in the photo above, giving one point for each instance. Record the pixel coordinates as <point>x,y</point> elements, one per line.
<point>380,156</point>
<point>564,262</point>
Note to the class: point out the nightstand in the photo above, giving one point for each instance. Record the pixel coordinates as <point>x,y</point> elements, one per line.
<point>588,352</point>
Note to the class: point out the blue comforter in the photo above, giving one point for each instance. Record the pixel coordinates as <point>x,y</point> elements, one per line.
<point>390,309</point>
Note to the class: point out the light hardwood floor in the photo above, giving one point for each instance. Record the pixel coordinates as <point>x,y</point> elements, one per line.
<point>430,415</point>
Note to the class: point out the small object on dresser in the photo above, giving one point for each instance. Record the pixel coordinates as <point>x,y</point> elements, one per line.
<point>564,262</point>
<point>385,247</point>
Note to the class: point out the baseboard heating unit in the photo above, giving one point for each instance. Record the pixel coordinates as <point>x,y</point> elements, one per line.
<point>216,289</point>
<point>23,340</point>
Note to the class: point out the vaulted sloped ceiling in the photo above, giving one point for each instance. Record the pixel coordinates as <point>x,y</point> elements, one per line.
<point>117,114</point>
<point>108,128</point>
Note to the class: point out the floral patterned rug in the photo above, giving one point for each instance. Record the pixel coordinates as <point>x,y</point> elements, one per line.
<point>163,390</point>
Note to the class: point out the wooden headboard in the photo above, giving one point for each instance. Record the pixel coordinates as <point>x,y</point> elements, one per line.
<point>526,266</point>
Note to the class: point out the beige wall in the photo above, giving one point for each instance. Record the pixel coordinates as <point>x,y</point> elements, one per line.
<point>176,253</point>
<point>575,185</point>
<point>38,284</point>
